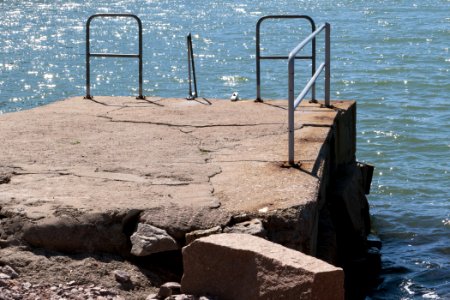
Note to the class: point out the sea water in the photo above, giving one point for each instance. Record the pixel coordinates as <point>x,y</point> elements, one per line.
<point>391,56</point>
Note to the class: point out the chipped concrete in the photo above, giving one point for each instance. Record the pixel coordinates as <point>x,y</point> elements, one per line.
<point>175,164</point>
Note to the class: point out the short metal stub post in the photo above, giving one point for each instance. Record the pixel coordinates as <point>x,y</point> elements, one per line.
<point>191,69</point>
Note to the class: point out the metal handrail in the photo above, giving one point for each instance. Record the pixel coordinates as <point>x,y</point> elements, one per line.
<point>191,69</point>
<point>259,57</point>
<point>89,54</point>
<point>293,104</point>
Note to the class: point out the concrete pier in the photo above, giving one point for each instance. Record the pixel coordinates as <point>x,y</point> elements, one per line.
<point>195,164</point>
<point>80,175</point>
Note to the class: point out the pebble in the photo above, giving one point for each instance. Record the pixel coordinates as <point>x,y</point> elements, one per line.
<point>168,289</point>
<point>9,271</point>
<point>172,291</point>
<point>122,276</point>
<point>11,289</point>
<point>27,285</point>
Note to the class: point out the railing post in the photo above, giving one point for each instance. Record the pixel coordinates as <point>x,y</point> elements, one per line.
<point>88,61</point>
<point>313,66</point>
<point>258,62</point>
<point>191,68</point>
<point>189,97</point>
<point>327,63</point>
<point>141,96</point>
<point>291,109</point>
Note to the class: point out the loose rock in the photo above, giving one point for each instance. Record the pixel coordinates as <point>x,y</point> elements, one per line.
<point>149,239</point>
<point>168,289</point>
<point>9,271</point>
<point>181,297</point>
<point>122,276</point>
<point>152,297</point>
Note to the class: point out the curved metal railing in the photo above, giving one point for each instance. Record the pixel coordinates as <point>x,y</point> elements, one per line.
<point>260,57</point>
<point>89,54</point>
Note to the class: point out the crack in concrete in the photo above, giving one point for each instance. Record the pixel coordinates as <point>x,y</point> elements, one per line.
<point>111,119</point>
<point>143,180</point>
<point>211,176</point>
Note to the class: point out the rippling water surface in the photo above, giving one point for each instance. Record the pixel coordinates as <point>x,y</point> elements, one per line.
<point>391,56</point>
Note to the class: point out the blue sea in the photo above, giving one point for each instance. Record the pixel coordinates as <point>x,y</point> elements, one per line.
<point>391,56</point>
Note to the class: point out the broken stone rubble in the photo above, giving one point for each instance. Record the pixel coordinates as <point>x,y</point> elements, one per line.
<point>149,239</point>
<point>172,291</point>
<point>11,289</point>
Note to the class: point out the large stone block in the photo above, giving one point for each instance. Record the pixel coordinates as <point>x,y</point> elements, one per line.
<point>240,266</point>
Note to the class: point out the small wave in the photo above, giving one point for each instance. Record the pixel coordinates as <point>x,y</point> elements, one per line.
<point>233,80</point>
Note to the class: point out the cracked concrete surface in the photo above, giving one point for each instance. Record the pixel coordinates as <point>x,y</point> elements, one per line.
<point>194,160</point>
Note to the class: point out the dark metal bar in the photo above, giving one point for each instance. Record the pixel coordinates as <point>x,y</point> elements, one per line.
<point>285,57</point>
<point>188,39</point>
<point>89,54</point>
<point>327,63</point>
<point>113,55</point>
<point>291,111</point>
<point>258,47</point>
<point>141,68</point>
<point>191,68</point>
<point>88,61</point>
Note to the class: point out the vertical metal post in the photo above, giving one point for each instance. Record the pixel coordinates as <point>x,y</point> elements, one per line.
<point>141,96</point>
<point>313,65</point>
<point>327,63</point>
<point>193,67</point>
<point>291,66</point>
<point>88,62</point>
<point>189,97</point>
<point>258,63</point>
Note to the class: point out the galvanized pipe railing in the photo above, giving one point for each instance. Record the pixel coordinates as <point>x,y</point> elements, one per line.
<point>293,103</point>
<point>259,57</point>
<point>89,54</point>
